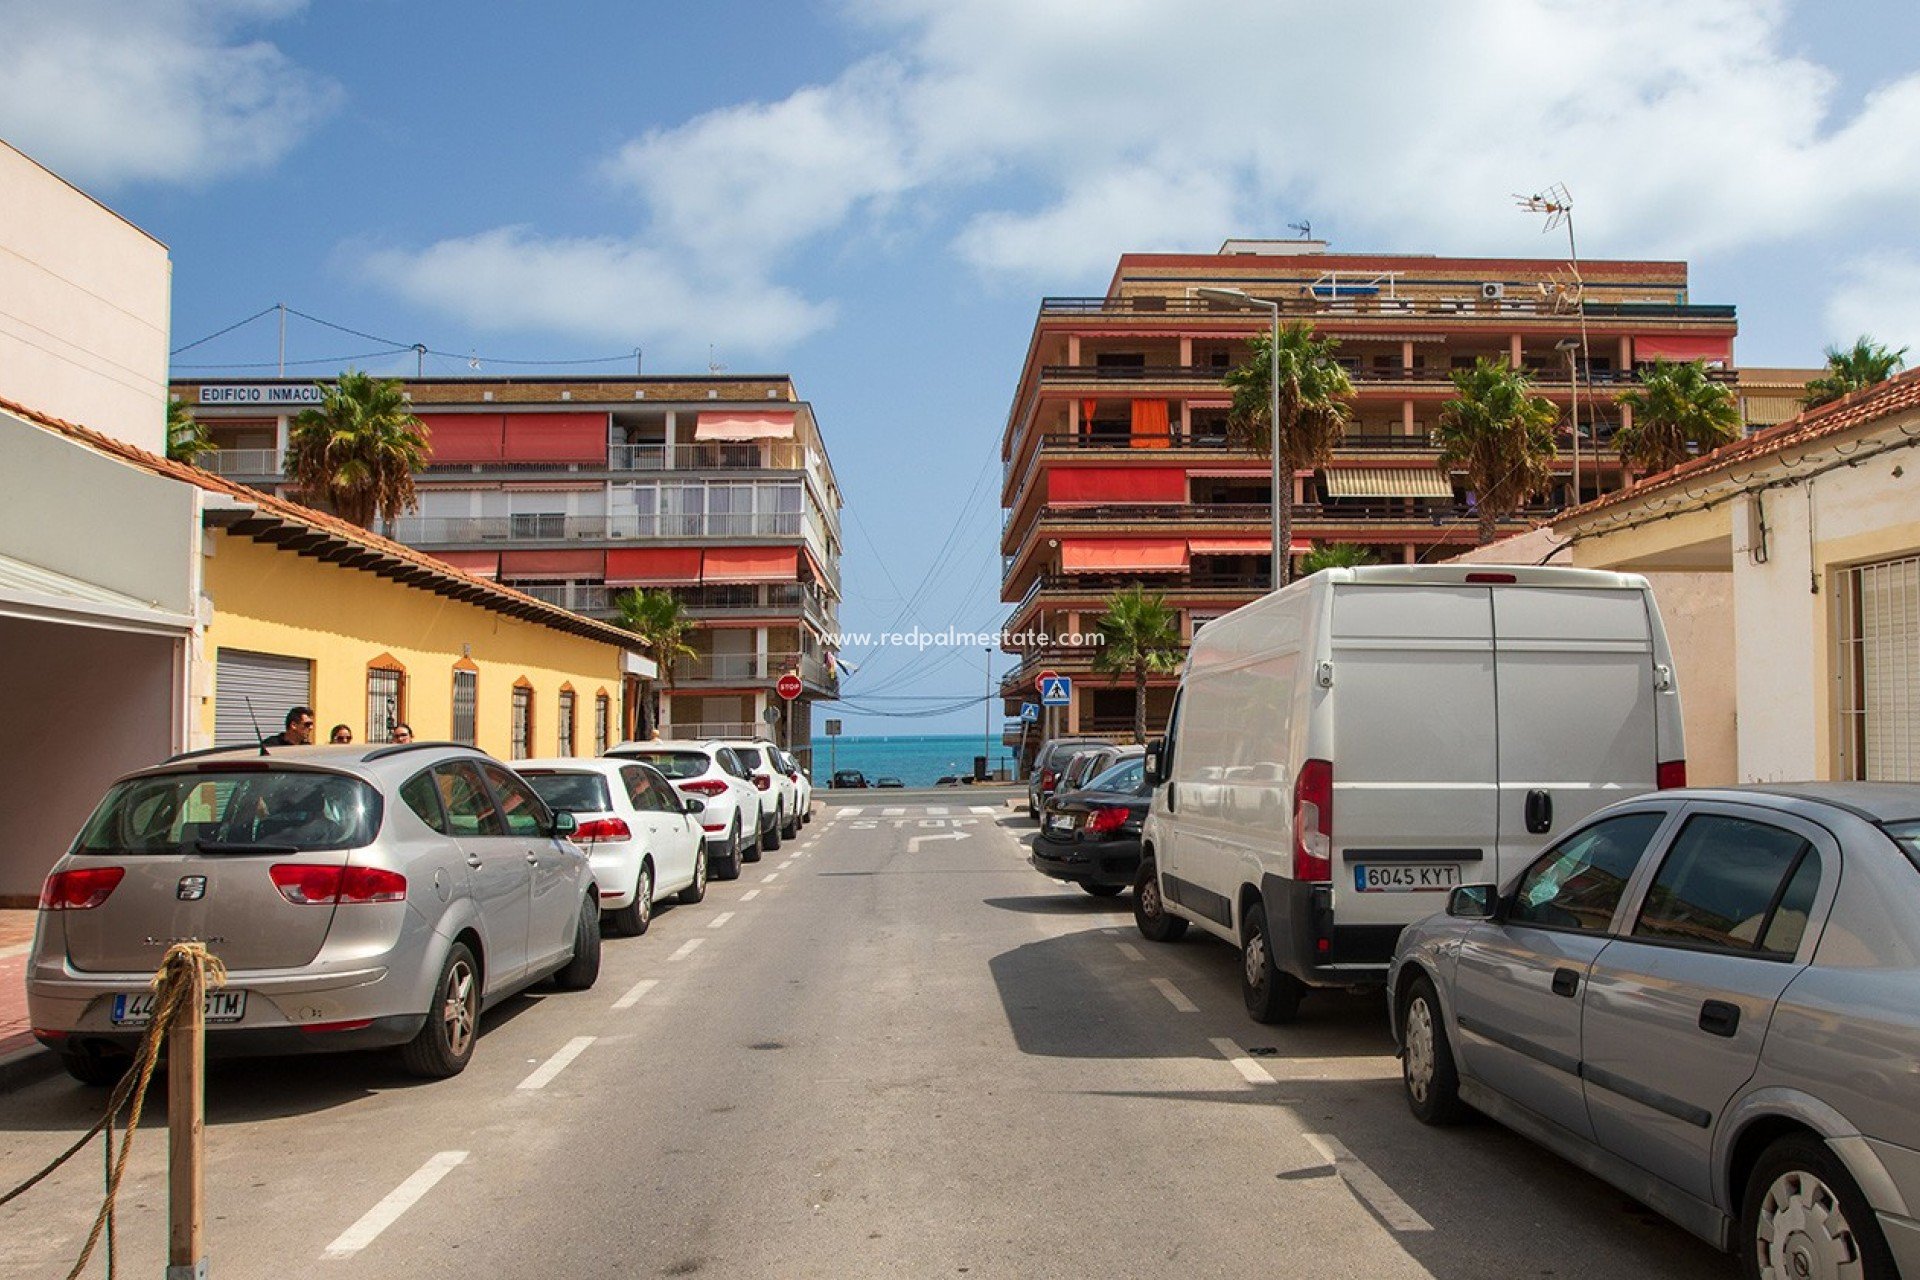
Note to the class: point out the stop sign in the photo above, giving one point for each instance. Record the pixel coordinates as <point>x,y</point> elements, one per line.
<point>1045,676</point>
<point>788,686</point>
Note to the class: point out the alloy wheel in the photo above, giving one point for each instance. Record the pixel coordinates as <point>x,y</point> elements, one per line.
<point>643,896</point>
<point>1803,1233</point>
<point>456,1008</point>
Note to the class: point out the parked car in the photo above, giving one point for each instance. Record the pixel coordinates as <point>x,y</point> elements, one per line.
<point>711,772</point>
<point>802,788</point>
<point>1087,763</point>
<point>1091,836</point>
<point>359,898</point>
<point>642,837</point>
<point>1052,758</point>
<point>1347,748</point>
<point>779,805</point>
<point>891,784</point>
<point>1704,997</point>
<point>849,780</point>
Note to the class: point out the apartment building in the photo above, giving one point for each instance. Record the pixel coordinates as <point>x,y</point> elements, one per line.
<point>1117,468</point>
<point>718,488</point>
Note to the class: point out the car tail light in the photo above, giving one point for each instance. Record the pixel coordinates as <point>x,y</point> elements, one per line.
<point>603,829</point>
<point>1106,821</point>
<point>763,782</point>
<point>705,787</point>
<point>306,884</point>
<point>1313,821</point>
<point>80,889</point>
<point>1047,778</point>
<point>1496,578</point>
<point>794,776</point>
<point>712,826</point>
<point>1670,774</point>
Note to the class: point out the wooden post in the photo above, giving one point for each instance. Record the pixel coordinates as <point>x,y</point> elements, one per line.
<point>186,1125</point>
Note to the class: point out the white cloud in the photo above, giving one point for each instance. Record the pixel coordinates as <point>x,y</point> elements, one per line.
<point>157,91</point>
<point>1879,297</point>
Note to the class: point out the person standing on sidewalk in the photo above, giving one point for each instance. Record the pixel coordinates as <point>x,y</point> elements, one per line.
<point>299,730</point>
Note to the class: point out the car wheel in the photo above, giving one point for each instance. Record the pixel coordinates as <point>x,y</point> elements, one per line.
<point>772,840</point>
<point>1426,1060</point>
<point>729,868</point>
<point>1150,912</point>
<point>792,830</point>
<point>102,1070</point>
<point>698,889</point>
<point>632,920</point>
<point>1033,812</point>
<point>444,1044</point>
<point>1802,1216</point>
<point>1104,890</point>
<point>580,972</point>
<point>751,852</point>
<point>1271,995</point>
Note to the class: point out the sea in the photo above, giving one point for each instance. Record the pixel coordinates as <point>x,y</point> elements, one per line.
<point>918,760</point>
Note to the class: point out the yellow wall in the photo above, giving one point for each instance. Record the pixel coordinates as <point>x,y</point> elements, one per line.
<point>272,601</point>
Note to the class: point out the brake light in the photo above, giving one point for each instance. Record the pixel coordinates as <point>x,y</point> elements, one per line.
<point>311,885</point>
<point>762,781</point>
<point>80,889</point>
<point>1047,778</point>
<point>1670,774</point>
<point>1107,821</point>
<point>603,829</point>
<point>1313,821</point>
<point>794,776</point>
<point>1492,577</point>
<point>705,787</point>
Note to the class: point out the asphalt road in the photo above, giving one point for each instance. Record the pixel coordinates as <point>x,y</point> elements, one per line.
<point>891,1049</point>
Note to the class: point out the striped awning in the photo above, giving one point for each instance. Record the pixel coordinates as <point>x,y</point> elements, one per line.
<point>1388,482</point>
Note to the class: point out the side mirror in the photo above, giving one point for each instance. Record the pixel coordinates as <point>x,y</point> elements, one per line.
<point>565,824</point>
<point>695,805</point>
<point>1156,760</point>
<point>1472,902</point>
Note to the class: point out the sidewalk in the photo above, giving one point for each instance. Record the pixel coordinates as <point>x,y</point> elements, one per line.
<point>20,1054</point>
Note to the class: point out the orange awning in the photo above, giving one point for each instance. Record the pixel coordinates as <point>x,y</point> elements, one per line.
<point>750,424</point>
<point>1683,347</point>
<point>1241,544</point>
<point>1108,555</point>
<point>751,564</point>
<point>553,564</point>
<point>652,566</point>
<point>1084,486</point>
<point>482,564</point>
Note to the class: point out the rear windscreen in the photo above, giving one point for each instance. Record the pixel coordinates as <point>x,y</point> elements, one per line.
<point>1125,778</point>
<point>216,812</point>
<point>675,764</point>
<point>574,792</point>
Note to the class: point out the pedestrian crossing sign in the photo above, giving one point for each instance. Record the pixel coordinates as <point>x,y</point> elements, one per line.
<point>1057,692</point>
<point>1029,712</point>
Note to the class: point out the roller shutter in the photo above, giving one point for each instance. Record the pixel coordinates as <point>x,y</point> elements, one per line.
<point>272,684</point>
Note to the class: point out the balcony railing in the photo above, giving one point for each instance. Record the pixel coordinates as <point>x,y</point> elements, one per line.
<point>735,668</point>
<point>1213,375</point>
<point>1373,305</point>
<point>439,530</point>
<point>763,455</point>
<point>1218,442</point>
<point>244,462</point>
<point>1433,510</point>
<point>702,730</point>
<point>581,597</point>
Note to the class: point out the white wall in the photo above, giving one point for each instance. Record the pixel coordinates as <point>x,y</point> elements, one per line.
<point>84,298</point>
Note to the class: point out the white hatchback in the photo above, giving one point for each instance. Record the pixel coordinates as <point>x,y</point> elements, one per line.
<point>641,836</point>
<point>712,773</point>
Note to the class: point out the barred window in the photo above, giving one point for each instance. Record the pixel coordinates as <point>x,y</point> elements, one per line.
<point>567,740</point>
<point>386,702</point>
<point>1879,627</point>
<point>602,723</point>
<point>466,706</point>
<point>522,744</point>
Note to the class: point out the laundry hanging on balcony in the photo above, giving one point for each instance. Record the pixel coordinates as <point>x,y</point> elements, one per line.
<point>1150,426</point>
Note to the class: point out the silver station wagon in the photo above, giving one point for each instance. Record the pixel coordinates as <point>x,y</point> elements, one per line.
<point>359,897</point>
<point>1709,998</point>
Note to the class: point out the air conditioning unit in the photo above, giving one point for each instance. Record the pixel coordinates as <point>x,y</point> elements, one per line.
<point>1493,289</point>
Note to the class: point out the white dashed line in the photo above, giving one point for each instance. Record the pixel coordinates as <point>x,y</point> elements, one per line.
<point>635,992</point>
<point>1368,1185</point>
<point>936,811</point>
<point>1130,951</point>
<point>1174,996</point>
<point>893,813</point>
<point>770,877</point>
<point>686,948</point>
<point>720,919</point>
<point>851,811</point>
<point>749,895</point>
<point>783,866</point>
<point>982,808</point>
<point>544,1074</point>
<point>398,1201</point>
<point>1250,1071</point>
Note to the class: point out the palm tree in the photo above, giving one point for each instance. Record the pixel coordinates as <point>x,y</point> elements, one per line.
<point>658,617</point>
<point>1501,434</point>
<point>358,449</point>
<point>1139,633</point>
<point>1677,411</point>
<point>1853,369</point>
<point>1338,555</point>
<point>1314,396</point>
<point>188,440</point>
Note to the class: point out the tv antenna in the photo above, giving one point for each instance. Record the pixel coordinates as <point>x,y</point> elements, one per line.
<point>1555,202</point>
<point>1305,228</point>
<point>713,366</point>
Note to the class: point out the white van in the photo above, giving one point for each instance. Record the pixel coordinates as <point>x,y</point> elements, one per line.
<point>1347,749</point>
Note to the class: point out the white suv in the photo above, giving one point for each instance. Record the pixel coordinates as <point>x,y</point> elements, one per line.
<point>714,773</point>
<point>802,786</point>
<point>780,803</point>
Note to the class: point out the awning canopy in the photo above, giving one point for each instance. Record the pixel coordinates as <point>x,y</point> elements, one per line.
<point>553,564</point>
<point>464,437</point>
<point>1087,486</point>
<point>1388,482</point>
<point>652,566</point>
<point>762,424</point>
<point>1712,348</point>
<point>1242,544</point>
<point>751,564</point>
<point>556,437</point>
<point>1107,555</point>
<point>28,591</point>
<point>483,564</point>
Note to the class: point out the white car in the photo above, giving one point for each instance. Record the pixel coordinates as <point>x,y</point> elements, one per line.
<point>802,785</point>
<point>642,837</point>
<point>780,809</point>
<point>711,772</point>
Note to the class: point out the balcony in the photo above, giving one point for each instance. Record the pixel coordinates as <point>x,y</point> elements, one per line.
<point>245,464</point>
<point>772,455</point>
<point>1350,306</point>
<point>581,597</point>
<point>752,668</point>
<point>702,730</point>
<point>1364,379</point>
<point>451,530</point>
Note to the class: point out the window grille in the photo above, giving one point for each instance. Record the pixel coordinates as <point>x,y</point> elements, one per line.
<point>602,723</point>
<point>566,722</point>
<point>466,707</point>
<point>385,709</point>
<point>522,722</point>
<point>1879,702</point>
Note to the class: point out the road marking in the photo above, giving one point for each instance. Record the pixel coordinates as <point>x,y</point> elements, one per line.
<point>851,811</point>
<point>634,993</point>
<point>1130,951</point>
<point>892,813</point>
<point>783,866</point>
<point>913,845</point>
<point>1250,1071</point>
<point>1174,996</point>
<point>398,1201</point>
<point>1368,1185</point>
<point>686,948</point>
<point>770,877</point>
<point>720,919</point>
<point>936,811</point>
<point>982,808</point>
<point>749,895</point>
<point>543,1075</point>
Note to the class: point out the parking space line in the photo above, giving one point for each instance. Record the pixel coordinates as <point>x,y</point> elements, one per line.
<point>635,992</point>
<point>686,948</point>
<point>1250,1071</point>
<point>851,811</point>
<point>1175,996</point>
<point>720,919</point>
<point>543,1074</point>
<point>749,895</point>
<point>987,809</point>
<point>770,877</point>
<point>398,1201</point>
<point>784,865</point>
<point>936,811</point>
<point>1130,951</point>
<point>893,813</point>
<point>1368,1185</point>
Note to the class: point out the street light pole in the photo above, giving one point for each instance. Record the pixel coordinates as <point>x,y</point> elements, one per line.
<point>1241,298</point>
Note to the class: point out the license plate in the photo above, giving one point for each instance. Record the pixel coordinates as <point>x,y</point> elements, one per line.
<point>1060,822</point>
<point>136,1010</point>
<point>1404,879</point>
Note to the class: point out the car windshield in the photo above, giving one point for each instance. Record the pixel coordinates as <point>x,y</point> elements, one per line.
<point>1907,836</point>
<point>275,810</point>
<point>1124,777</point>
<point>675,764</point>
<point>574,792</point>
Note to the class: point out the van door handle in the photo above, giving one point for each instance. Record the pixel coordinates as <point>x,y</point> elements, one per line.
<point>533,859</point>
<point>1566,982</point>
<point>473,860</point>
<point>1539,812</point>
<point>1718,1018</point>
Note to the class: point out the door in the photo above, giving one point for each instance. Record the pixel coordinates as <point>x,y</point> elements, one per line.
<point>1522,976</point>
<point>552,870</point>
<point>672,836</point>
<point>252,693</point>
<point>497,871</point>
<point>1677,1010</point>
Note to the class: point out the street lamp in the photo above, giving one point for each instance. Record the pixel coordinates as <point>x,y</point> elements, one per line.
<point>1241,298</point>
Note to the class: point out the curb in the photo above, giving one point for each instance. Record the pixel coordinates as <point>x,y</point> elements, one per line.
<point>28,1065</point>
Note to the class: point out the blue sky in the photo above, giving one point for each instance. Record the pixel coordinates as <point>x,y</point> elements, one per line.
<point>874,197</point>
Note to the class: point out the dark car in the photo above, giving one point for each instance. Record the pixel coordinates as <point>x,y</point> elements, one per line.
<point>1048,766</point>
<point>892,784</point>
<point>849,780</point>
<point>1091,837</point>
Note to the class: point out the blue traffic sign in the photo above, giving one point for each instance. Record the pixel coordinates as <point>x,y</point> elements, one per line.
<point>1057,692</point>
<point>1029,712</point>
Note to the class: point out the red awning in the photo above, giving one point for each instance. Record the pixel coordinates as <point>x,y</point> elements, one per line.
<point>1241,544</point>
<point>751,564</point>
<point>464,437</point>
<point>763,424</point>
<point>553,564</point>
<point>1714,349</point>
<point>652,566</point>
<point>1072,486</point>
<point>1108,555</point>
<point>484,564</point>
<point>557,437</point>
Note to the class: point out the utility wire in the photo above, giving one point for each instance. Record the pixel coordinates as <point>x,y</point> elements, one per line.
<point>229,329</point>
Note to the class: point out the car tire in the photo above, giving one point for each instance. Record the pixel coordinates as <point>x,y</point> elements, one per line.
<point>1427,1070</point>
<point>751,852</point>
<point>633,919</point>
<point>729,868</point>
<point>1150,914</point>
<point>792,830</point>
<point>444,1044</point>
<point>101,1070</point>
<point>1271,995</point>
<point>772,840</point>
<point>1033,812</point>
<point>580,973</point>
<point>1104,890</point>
<point>1802,1213</point>
<point>694,892</point>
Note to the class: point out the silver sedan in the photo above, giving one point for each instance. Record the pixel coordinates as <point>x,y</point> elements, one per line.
<point>1707,998</point>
